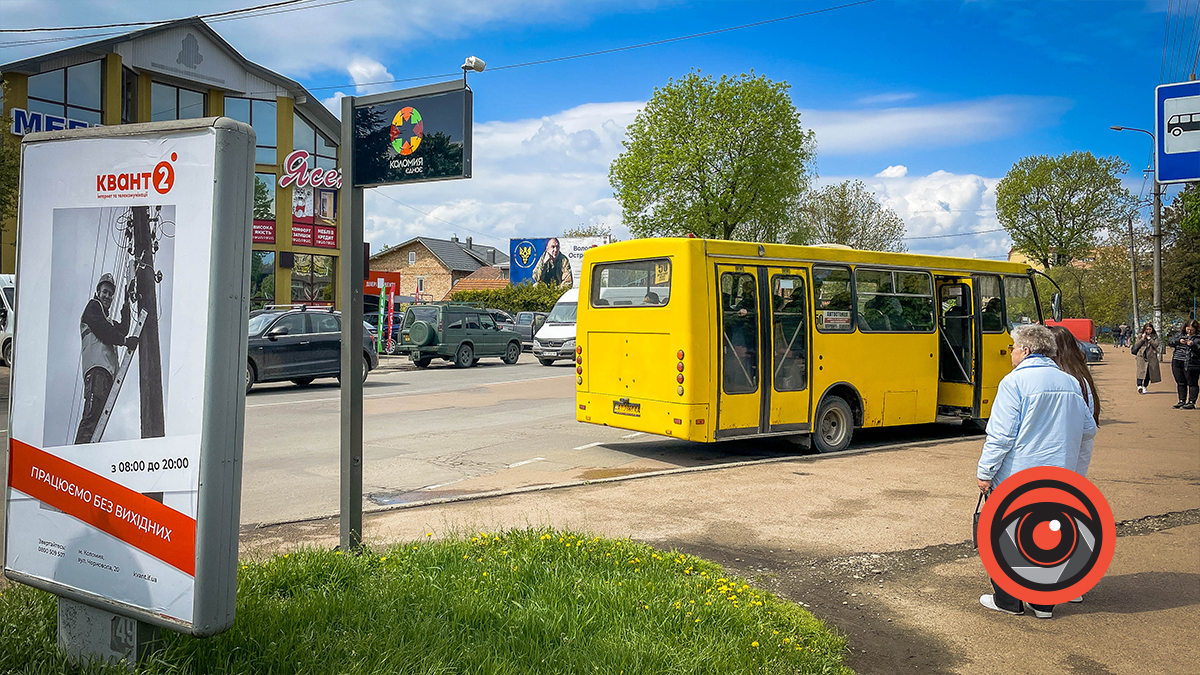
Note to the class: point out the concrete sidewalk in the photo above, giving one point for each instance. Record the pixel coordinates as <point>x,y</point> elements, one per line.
<point>878,543</point>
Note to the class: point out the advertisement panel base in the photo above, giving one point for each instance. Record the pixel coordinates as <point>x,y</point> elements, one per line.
<point>88,634</point>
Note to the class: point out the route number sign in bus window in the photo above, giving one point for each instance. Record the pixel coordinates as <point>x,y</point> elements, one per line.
<point>831,289</point>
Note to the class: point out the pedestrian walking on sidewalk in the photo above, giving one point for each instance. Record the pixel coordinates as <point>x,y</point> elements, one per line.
<point>1146,350</point>
<point>1039,418</point>
<point>1123,335</point>
<point>1185,364</point>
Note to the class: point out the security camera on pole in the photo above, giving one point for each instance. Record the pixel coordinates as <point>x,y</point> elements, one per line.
<point>409,136</point>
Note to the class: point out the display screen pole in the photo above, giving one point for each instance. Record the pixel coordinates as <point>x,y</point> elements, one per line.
<point>351,275</point>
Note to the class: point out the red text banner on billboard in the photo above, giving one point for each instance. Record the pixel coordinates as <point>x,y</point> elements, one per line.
<point>133,250</point>
<point>423,135</point>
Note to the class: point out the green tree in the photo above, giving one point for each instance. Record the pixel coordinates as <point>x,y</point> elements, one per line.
<point>515,298</point>
<point>264,200</point>
<point>846,213</point>
<point>720,158</point>
<point>10,162</point>
<point>588,230</point>
<point>1054,207</point>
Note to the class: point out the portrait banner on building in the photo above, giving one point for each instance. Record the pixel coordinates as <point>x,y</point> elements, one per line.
<point>124,404</point>
<point>548,260</point>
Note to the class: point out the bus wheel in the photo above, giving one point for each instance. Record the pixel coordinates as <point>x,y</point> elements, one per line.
<point>834,425</point>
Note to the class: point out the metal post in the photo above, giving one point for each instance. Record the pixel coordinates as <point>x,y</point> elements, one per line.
<point>88,634</point>
<point>1137,324</point>
<point>1158,328</point>
<point>351,278</point>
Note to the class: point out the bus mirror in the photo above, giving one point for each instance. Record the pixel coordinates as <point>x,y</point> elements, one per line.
<point>1056,306</point>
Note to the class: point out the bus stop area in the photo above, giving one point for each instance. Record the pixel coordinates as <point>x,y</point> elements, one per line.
<point>877,542</point>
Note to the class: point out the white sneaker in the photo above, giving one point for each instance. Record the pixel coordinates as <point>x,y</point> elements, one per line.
<point>1039,613</point>
<point>1077,600</point>
<point>1141,390</point>
<point>990,602</point>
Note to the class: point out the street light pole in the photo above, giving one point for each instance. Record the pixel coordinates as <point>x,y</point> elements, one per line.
<point>1137,323</point>
<point>1157,237</point>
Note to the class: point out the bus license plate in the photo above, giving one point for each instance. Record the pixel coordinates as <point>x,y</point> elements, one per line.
<point>630,409</point>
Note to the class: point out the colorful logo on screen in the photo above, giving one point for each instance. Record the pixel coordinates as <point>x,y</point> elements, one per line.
<point>407,129</point>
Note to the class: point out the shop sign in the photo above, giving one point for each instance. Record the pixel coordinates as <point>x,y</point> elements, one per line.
<point>324,236</point>
<point>125,436</point>
<point>24,122</point>
<point>302,234</point>
<point>264,232</point>
<point>375,278</point>
<point>296,172</point>
<point>413,136</point>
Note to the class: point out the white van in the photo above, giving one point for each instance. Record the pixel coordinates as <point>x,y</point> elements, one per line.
<point>556,338</point>
<point>8,293</point>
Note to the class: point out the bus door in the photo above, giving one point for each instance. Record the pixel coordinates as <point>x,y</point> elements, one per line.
<point>994,359</point>
<point>958,344</point>
<point>764,337</point>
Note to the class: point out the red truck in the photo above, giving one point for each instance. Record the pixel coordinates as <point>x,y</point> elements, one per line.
<point>1083,329</point>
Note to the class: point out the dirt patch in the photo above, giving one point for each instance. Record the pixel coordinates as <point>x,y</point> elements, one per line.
<point>597,474</point>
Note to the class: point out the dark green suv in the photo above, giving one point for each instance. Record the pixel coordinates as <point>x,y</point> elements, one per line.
<point>454,331</point>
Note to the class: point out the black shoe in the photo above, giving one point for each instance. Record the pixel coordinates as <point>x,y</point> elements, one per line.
<point>1179,405</point>
<point>1189,406</point>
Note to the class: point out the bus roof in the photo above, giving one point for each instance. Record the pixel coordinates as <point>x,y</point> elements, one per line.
<point>782,254</point>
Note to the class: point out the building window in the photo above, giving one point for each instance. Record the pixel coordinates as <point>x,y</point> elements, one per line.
<point>264,196</point>
<point>175,103</point>
<point>129,110</point>
<point>72,92</point>
<point>312,278</point>
<point>262,279</point>
<point>412,257</point>
<point>420,284</point>
<point>261,116</point>
<point>320,147</point>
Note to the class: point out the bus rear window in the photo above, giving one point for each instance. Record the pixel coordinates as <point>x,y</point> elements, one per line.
<point>831,293</point>
<point>640,283</point>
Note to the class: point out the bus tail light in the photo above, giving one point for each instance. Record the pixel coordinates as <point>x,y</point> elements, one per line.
<point>578,370</point>
<point>680,391</point>
<point>679,378</point>
<point>678,421</point>
<point>582,406</point>
<point>579,380</point>
<point>679,354</point>
<point>679,367</point>
<point>699,423</point>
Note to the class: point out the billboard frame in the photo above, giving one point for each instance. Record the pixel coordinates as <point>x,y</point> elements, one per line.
<point>218,499</point>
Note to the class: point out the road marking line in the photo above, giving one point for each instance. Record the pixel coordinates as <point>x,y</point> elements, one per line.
<point>591,445</point>
<point>528,461</point>
<point>403,393</point>
<point>434,487</point>
<point>634,435</point>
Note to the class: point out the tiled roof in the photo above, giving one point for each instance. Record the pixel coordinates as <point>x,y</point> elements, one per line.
<point>455,255</point>
<point>482,278</point>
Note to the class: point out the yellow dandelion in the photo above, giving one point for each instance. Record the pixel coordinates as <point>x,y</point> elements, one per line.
<point>428,534</point>
<point>754,644</point>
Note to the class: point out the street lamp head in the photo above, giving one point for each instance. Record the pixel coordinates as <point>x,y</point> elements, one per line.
<point>1117,128</point>
<point>474,63</point>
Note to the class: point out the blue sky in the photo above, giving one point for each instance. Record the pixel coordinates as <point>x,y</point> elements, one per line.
<point>947,94</point>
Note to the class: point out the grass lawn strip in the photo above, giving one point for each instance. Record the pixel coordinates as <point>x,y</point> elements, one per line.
<point>523,601</point>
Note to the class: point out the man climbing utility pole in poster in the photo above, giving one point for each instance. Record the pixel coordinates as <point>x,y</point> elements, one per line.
<point>101,336</point>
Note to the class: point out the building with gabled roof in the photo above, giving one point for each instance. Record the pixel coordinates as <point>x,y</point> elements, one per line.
<point>429,267</point>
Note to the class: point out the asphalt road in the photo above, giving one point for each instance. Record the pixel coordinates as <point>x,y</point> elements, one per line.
<point>446,432</point>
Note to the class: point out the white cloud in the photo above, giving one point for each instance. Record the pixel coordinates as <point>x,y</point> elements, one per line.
<point>890,97</point>
<point>894,171</point>
<point>334,103</point>
<point>850,132</point>
<point>532,177</point>
<point>368,73</point>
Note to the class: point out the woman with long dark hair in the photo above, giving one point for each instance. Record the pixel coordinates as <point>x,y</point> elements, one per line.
<point>1071,361</point>
<point>1185,364</point>
<point>1146,349</point>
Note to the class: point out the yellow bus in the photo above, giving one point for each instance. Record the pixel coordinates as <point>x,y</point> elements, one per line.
<point>708,340</point>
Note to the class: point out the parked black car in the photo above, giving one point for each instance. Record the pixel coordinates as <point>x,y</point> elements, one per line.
<point>299,344</point>
<point>528,324</point>
<point>455,331</point>
<point>503,319</point>
<point>1092,353</point>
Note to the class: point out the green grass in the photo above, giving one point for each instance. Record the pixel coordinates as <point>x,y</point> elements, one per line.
<point>527,601</point>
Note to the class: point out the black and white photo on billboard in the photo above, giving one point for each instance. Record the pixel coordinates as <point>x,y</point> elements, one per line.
<point>111,287</point>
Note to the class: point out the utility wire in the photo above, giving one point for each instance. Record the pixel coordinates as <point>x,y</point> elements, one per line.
<point>151,23</point>
<point>269,11</point>
<point>956,234</point>
<point>601,52</point>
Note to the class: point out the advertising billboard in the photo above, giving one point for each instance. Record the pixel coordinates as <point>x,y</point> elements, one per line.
<point>127,393</point>
<point>414,136</point>
<point>548,260</point>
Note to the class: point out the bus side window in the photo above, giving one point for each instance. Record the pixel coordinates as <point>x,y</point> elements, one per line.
<point>832,303</point>
<point>739,333</point>
<point>992,305</point>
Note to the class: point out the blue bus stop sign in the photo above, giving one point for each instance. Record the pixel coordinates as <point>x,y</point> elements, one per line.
<point>1177,132</point>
